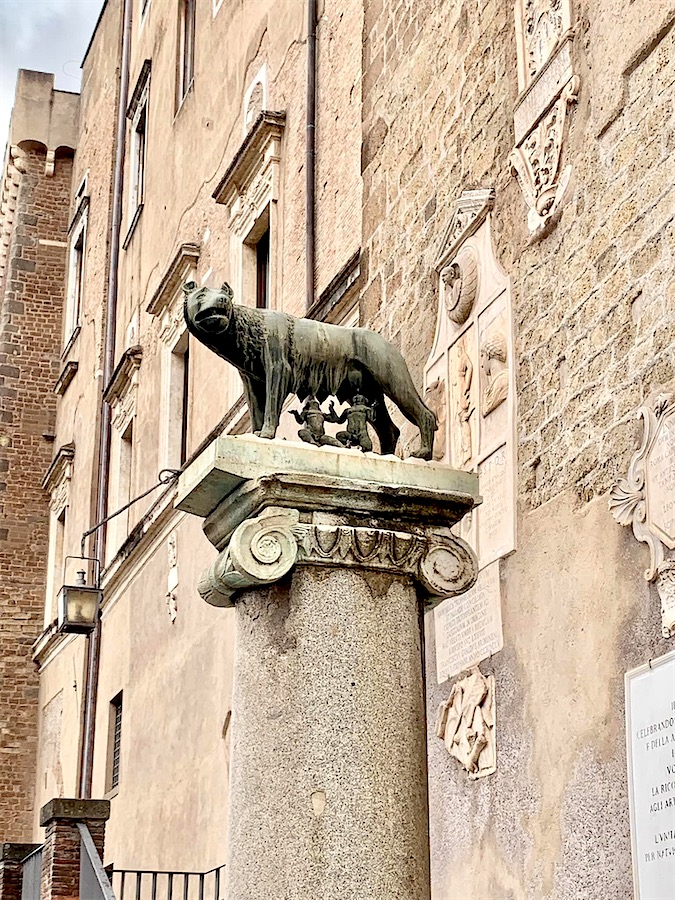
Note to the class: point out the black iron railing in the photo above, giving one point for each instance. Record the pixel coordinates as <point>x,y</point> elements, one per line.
<point>144,884</point>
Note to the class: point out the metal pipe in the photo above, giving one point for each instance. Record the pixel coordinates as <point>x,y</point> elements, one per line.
<point>94,640</point>
<point>310,165</point>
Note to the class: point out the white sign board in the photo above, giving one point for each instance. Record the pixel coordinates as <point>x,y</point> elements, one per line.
<point>650,739</point>
<point>468,628</point>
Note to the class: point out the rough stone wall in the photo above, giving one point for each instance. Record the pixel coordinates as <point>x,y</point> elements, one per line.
<point>29,357</point>
<point>338,185</point>
<point>594,322</point>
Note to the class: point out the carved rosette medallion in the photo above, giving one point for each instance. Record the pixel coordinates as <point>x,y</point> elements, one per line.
<point>645,499</point>
<point>466,723</point>
<point>264,549</point>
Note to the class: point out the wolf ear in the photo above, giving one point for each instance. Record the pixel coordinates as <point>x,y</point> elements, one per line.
<point>227,290</point>
<point>189,287</point>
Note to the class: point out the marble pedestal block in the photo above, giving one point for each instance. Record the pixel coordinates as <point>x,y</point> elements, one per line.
<point>328,573</point>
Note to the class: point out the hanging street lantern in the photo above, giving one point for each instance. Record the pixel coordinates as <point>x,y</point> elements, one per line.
<point>78,604</point>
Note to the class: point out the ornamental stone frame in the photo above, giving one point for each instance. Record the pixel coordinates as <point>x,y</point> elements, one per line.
<point>548,87</point>
<point>645,499</point>
<point>469,382</point>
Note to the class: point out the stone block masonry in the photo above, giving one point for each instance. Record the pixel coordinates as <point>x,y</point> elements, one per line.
<point>30,337</point>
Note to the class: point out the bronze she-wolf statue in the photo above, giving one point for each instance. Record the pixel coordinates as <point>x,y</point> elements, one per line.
<point>278,354</point>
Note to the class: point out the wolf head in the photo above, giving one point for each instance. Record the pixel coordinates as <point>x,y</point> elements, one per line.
<point>208,312</point>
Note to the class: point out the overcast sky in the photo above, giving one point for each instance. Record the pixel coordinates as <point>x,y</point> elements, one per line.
<point>47,35</point>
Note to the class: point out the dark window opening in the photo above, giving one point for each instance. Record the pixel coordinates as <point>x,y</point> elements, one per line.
<point>115,740</point>
<point>262,256</point>
<point>184,405</point>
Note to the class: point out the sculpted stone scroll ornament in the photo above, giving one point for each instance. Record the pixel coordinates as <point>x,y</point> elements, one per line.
<point>536,161</point>
<point>466,723</point>
<point>277,355</point>
<point>264,549</point>
<point>645,499</point>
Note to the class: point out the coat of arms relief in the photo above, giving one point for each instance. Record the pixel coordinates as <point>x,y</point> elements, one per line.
<point>548,88</point>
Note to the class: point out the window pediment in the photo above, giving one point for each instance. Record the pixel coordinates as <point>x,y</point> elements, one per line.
<point>123,386</point>
<point>58,475</point>
<point>167,302</point>
<point>252,178</point>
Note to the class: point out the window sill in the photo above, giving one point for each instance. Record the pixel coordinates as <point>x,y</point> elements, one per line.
<point>113,792</point>
<point>183,101</point>
<point>71,342</point>
<point>132,226</point>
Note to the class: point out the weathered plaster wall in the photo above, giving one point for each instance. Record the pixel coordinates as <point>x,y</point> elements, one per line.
<point>176,678</point>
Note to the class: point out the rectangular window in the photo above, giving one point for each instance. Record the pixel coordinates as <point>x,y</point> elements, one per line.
<point>262,249</point>
<point>256,267</point>
<point>138,151</point>
<point>124,483</point>
<point>186,47</point>
<point>114,743</point>
<point>54,564</point>
<point>75,277</point>
<point>176,393</point>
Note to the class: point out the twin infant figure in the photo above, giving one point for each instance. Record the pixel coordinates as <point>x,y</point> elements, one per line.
<point>357,416</point>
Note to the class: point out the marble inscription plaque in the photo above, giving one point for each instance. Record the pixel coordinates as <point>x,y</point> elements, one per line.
<point>650,739</point>
<point>543,91</point>
<point>469,627</point>
<point>494,514</point>
<point>661,482</point>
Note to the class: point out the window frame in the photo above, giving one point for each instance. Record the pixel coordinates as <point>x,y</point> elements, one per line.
<point>185,56</point>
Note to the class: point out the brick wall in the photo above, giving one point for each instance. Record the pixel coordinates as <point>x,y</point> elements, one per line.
<point>30,338</point>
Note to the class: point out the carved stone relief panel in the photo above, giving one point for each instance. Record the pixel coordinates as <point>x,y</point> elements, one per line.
<point>548,87</point>
<point>469,375</point>
<point>469,383</point>
<point>466,723</point>
<point>645,499</point>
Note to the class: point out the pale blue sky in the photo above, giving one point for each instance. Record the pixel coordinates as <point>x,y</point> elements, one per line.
<point>47,35</point>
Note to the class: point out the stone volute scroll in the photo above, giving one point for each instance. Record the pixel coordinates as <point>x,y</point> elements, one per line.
<point>645,498</point>
<point>264,549</point>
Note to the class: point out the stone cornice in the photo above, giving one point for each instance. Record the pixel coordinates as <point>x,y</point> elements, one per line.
<point>141,84</point>
<point>185,258</point>
<point>59,468</point>
<point>122,376</point>
<point>267,128</point>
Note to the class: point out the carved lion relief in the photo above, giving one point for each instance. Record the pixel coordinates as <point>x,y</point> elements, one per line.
<point>466,723</point>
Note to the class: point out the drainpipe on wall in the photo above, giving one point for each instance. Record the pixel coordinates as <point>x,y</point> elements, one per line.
<point>310,217</point>
<point>94,639</point>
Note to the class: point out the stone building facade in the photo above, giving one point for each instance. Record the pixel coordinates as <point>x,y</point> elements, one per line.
<point>494,194</point>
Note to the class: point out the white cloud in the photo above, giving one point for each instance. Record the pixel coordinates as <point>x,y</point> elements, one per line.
<point>46,35</point>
